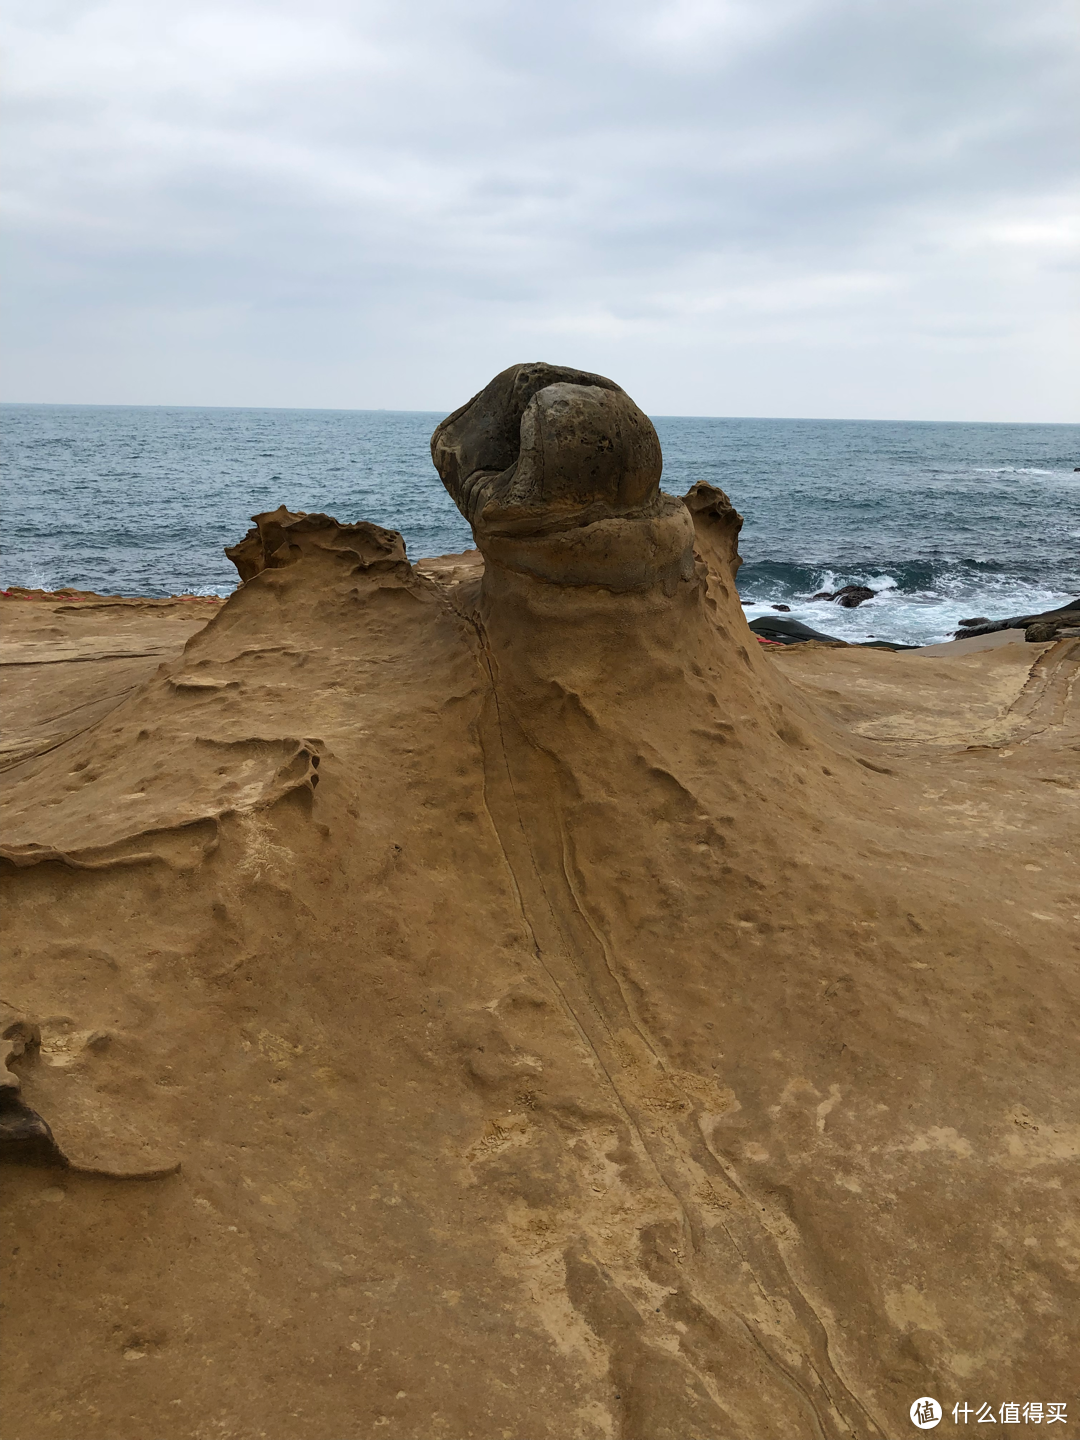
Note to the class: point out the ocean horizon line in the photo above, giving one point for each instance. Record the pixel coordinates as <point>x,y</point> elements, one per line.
<point>400,410</point>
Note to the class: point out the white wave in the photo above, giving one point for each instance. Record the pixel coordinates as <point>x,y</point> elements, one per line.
<point>35,578</point>
<point>1011,470</point>
<point>916,618</point>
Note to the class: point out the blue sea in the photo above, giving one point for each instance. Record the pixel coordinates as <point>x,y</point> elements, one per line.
<point>944,521</point>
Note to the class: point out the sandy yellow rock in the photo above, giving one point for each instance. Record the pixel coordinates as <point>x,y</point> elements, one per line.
<point>572,1019</point>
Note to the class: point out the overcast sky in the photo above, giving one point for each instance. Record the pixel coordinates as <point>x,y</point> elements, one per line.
<point>860,208</point>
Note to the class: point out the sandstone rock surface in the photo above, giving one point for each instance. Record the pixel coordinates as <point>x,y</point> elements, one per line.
<point>572,1019</point>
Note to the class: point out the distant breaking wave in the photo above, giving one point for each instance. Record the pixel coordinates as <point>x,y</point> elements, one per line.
<point>917,602</point>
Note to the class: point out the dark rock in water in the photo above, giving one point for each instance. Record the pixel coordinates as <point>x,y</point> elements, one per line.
<point>786,608</point>
<point>978,620</point>
<point>852,595</point>
<point>1065,617</point>
<point>848,595</point>
<point>794,632</point>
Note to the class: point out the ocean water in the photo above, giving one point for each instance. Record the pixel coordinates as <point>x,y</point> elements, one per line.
<point>945,521</point>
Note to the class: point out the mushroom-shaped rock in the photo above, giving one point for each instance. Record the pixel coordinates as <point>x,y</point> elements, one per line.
<point>558,473</point>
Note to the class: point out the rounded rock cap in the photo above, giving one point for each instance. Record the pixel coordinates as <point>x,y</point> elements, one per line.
<point>558,473</point>
<point>543,447</point>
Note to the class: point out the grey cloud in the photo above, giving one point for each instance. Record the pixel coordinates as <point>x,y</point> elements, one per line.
<point>790,206</point>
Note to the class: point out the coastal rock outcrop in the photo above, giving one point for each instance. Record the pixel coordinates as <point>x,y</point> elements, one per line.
<point>558,473</point>
<point>573,1017</point>
<point>716,526</point>
<point>282,537</point>
<point>849,596</point>
<point>791,632</point>
<point>1046,625</point>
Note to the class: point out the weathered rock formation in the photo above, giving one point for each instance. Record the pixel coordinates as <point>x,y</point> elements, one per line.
<point>281,538</point>
<point>572,1020</point>
<point>558,472</point>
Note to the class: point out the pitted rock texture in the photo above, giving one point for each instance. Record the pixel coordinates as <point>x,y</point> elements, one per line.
<point>716,524</point>
<point>282,537</point>
<point>558,473</point>
<point>540,444</point>
<point>636,1034</point>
